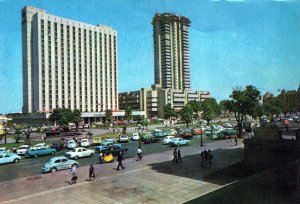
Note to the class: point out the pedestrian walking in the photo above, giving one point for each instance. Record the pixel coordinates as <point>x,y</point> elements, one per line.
<point>205,157</point>
<point>175,156</point>
<point>236,140</point>
<point>73,173</point>
<point>202,159</point>
<point>120,159</point>
<point>118,130</point>
<point>92,172</point>
<point>139,154</point>
<point>179,156</point>
<point>210,157</point>
<point>100,157</point>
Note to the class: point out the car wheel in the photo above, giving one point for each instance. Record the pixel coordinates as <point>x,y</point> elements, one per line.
<point>16,160</point>
<point>53,170</point>
<point>76,157</point>
<point>91,154</point>
<point>35,155</point>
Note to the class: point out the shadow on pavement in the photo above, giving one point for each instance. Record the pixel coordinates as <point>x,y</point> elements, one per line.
<point>246,184</point>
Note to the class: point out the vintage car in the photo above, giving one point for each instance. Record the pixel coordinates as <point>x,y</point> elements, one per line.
<point>71,144</point>
<point>114,149</point>
<point>58,145</point>
<point>41,146</point>
<point>135,136</point>
<point>80,152</point>
<point>123,138</point>
<point>177,141</point>
<point>58,163</point>
<point>22,149</point>
<point>35,152</point>
<point>6,157</point>
<point>84,143</point>
<point>167,139</point>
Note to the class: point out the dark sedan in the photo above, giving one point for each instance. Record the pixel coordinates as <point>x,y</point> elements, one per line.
<point>114,149</point>
<point>57,145</point>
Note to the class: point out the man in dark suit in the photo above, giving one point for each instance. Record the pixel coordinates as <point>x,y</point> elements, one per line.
<point>120,159</point>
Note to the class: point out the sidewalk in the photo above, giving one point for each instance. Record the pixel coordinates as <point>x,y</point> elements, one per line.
<point>153,180</point>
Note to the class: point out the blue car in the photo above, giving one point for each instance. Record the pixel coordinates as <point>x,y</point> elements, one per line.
<point>6,157</point>
<point>176,142</point>
<point>35,152</point>
<point>58,163</point>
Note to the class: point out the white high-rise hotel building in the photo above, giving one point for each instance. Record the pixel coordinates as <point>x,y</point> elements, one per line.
<point>67,64</point>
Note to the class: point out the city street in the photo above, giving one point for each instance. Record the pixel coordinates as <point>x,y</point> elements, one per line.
<point>153,180</point>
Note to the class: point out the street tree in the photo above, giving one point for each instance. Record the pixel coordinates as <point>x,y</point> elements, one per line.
<point>210,109</point>
<point>128,113</point>
<point>196,106</point>
<point>76,118</point>
<point>186,114</point>
<point>272,107</point>
<point>55,116</point>
<point>169,112</point>
<point>244,102</point>
<point>108,116</point>
<point>66,117</point>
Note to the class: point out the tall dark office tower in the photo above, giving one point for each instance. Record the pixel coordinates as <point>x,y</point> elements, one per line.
<point>171,51</point>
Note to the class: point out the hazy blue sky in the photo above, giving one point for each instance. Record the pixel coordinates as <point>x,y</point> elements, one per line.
<point>232,43</point>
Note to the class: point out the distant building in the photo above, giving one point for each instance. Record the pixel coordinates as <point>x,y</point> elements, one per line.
<point>290,99</point>
<point>171,70</point>
<point>171,51</point>
<point>153,100</point>
<point>67,64</point>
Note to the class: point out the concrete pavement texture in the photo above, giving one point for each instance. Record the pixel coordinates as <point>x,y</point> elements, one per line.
<point>155,179</point>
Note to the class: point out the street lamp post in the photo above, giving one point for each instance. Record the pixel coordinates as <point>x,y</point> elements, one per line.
<point>5,134</point>
<point>201,139</point>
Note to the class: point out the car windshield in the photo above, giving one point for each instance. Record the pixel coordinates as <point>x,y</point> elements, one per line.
<point>73,150</point>
<point>22,147</point>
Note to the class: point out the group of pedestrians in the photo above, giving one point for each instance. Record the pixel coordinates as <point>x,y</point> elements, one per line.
<point>206,158</point>
<point>176,156</point>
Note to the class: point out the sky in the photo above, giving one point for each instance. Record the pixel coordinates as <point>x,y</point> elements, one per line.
<point>233,43</point>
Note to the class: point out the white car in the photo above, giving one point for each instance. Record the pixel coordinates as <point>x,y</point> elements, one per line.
<point>41,146</point>
<point>167,139</point>
<point>22,149</point>
<point>84,143</point>
<point>123,138</point>
<point>71,144</point>
<point>80,152</point>
<point>135,136</point>
<point>4,149</point>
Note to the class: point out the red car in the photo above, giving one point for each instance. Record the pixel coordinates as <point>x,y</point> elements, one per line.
<point>120,122</point>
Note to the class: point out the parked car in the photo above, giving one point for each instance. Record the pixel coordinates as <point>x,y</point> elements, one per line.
<point>102,147</point>
<point>170,132</point>
<point>175,142</point>
<point>41,146</point>
<point>120,122</point>
<point>114,149</point>
<point>80,152</point>
<point>158,133</point>
<point>197,131</point>
<point>168,139</point>
<point>4,149</point>
<point>123,138</point>
<point>71,144</point>
<point>58,163</point>
<point>135,136</point>
<point>22,149</point>
<point>35,152</point>
<point>84,143</point>
<point>150,139</point>
<point>6,157</point>
<point>57,145</point>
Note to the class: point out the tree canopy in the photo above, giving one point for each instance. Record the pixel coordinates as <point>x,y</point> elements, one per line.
<point>210,109</point>
<point>186,114</point>
<point>128,113</point>
<point>196,106</point>
<point>108,116</point>
<point>244,102</point>
<point>65,116</point>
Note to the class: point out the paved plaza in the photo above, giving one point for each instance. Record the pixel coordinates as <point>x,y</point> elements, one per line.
<point>155,179</point>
